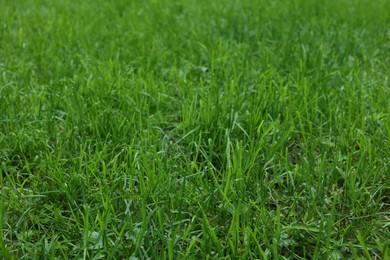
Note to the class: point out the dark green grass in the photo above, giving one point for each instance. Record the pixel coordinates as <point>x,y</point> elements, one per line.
<point>194,129</point>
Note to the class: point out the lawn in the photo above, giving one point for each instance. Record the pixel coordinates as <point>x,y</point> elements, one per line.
<point>193,129</point>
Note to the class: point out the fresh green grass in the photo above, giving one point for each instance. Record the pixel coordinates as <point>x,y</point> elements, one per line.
<point>191,129</point>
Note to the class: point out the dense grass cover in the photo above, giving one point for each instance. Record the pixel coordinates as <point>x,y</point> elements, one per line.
<point>194,129</point>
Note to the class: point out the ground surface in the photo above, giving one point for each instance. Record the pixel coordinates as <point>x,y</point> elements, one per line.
<point>193,129</point>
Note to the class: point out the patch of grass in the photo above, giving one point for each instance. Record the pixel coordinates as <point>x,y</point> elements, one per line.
<point>194,129</point>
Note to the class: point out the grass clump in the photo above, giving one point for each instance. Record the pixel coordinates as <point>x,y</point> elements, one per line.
<point>194,129</point>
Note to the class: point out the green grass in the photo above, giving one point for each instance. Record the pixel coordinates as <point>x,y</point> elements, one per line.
<point>188,129</point>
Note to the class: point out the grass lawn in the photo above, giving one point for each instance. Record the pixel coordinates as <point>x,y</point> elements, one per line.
<point>193,129</point>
